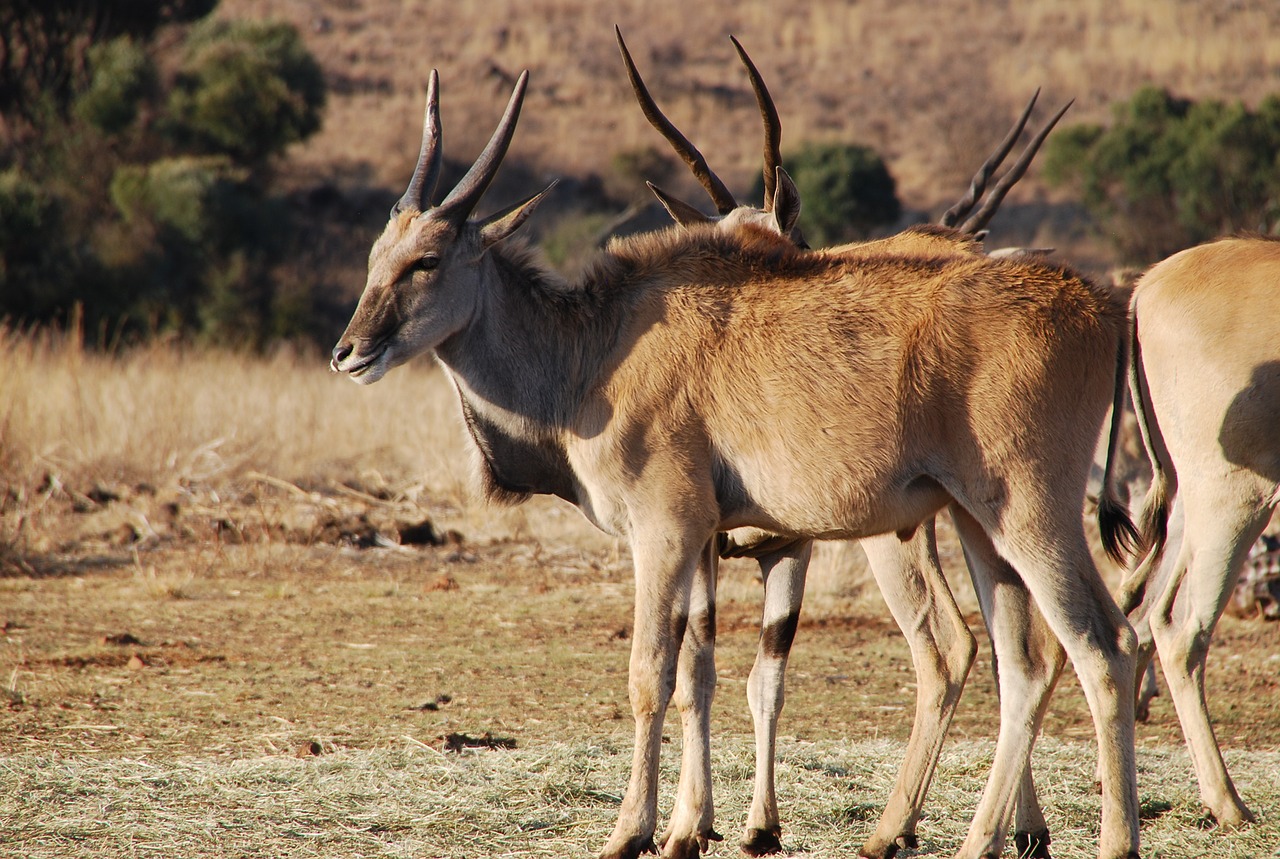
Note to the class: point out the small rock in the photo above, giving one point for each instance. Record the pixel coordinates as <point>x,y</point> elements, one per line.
<point>121,639</point>
<point>310,749</point>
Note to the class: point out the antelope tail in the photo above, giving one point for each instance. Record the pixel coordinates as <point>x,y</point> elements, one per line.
<point>1164,483</point>
<point>1119,536</point>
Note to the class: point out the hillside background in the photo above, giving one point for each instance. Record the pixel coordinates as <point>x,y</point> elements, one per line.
<point>930,86</point>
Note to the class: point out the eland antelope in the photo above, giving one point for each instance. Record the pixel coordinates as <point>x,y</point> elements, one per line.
<point>907,571</point>
<point>1205,383</point>
<point>694,381</point>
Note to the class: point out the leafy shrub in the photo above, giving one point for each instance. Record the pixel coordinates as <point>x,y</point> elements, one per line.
<point>631,168</point>
<point>154,209</point>
<point>122,76</point>
<point>1170,173</point>
<point>202,200</point>
<point>246,89</point>
<point>46,46</point>
<point>846,192</point>
<point>38,265</point>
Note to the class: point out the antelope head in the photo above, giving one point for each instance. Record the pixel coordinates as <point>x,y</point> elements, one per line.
<point>781,206</point>
<point>425,270</point>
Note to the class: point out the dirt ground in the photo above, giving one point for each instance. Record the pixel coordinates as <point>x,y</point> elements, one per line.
<point>265,618</point>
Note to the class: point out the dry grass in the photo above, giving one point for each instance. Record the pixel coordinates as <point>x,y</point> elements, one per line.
<point>559,800</point>
<point>174,422</point>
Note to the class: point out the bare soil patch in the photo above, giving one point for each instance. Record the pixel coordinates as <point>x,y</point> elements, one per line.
<point>280,616</point>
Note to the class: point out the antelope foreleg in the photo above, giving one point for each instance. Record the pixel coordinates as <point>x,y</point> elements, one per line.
<point>665,563</point>
<point>690,830</point>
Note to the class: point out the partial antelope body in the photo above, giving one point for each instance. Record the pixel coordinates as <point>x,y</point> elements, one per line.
<point>1205,383</point>
<point>696,381</point>
<point>1257,594</point>
<point>907,571</point>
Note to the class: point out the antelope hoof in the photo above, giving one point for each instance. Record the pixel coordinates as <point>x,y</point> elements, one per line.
<point>762,842</point>
<point>1235,817</point>
<point>908,841</point>
<point>632,849</point>
<point>689,847</point>
<point>1032,845</point>
<point>879,851</point>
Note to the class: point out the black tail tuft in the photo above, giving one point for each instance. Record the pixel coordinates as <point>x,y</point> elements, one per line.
<point>1120,537</point>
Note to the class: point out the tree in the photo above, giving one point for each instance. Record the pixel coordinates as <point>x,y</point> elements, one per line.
<point>1171,173</point>
<point>245,89</point>
<point>147,197</point>
<point>44,45</point>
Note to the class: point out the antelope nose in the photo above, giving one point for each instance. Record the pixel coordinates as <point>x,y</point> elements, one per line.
<point>341,352</point>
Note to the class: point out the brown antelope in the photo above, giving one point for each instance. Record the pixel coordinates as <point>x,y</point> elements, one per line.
<point>907,571</point>
<point>1205,384</point>
<point>696,381</point>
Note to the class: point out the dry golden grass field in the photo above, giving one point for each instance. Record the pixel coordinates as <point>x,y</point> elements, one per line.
<point>250,609</point>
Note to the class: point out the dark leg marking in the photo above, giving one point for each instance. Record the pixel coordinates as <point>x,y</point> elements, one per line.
<point>776,638</point>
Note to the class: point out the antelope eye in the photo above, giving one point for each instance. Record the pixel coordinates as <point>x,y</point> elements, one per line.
<point>427,263</point>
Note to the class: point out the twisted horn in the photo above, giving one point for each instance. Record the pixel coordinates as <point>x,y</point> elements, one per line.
<point>772,126</point>
<point>720,195</point>
<point>427,171</point>
<point>463,198</point>
<point>980,218</point>
<point>976,188</point>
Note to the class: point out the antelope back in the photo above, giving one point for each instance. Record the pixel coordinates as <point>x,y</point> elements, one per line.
<point>789,361</point>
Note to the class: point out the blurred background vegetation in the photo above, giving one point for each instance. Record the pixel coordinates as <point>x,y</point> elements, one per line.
<point>1169,173</point>
<point>151,182</point>
<point>137,174</point>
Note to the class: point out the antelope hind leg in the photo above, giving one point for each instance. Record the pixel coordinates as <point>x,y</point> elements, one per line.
<point>942,650</point>
<point>1028,661</point>
<point>1217,537</point>
<point>784,573</point>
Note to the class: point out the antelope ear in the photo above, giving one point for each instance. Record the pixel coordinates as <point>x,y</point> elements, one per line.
<point>786,203</point>
<point>499,225</point>
<point>681,212</point>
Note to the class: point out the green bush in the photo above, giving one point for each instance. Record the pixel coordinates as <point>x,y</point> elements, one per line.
<point>246,89</point>
<point>201,200</point>
<point>150,202</point>
<point>846,192</point>
<point>1170,173</point>
<point>122,76</point>
<point>38,264</point>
